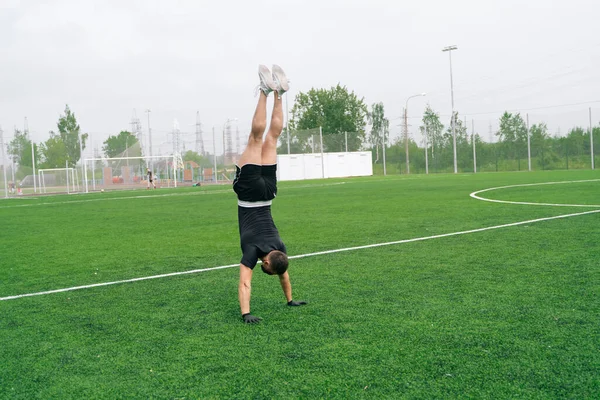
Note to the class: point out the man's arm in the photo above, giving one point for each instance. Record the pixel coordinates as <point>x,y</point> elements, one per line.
<point>244,295</point>
<point>284,279</point>
<point>244,288</point>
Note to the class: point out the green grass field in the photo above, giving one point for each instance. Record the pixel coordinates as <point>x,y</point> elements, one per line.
<point>512,312</point>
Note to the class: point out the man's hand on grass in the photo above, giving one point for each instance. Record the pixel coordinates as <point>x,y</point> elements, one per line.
<point>251,319</point>
<point>293,303</point>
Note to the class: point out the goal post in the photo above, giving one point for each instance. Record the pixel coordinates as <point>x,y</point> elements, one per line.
<point>119,173</point>
<point>58,180</point>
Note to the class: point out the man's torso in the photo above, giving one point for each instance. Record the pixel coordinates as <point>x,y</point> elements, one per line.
<point>256,186</point>
<point>258,234</point>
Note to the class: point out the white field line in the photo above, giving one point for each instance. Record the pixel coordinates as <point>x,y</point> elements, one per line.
<point>318,253</point>
<point>221,191</point>
<point>475,194</point>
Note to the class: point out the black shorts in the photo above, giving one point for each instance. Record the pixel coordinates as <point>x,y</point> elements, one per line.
<point>255,182</point>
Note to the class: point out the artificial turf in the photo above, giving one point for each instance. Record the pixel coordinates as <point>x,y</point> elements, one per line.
<point>511,312</point>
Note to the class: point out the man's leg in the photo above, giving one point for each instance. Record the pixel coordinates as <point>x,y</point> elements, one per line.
<point>252,153</point>
<point>269,147</point>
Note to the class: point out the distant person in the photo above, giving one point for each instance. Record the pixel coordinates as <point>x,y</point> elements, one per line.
<point>255,184</point>
<point>11,187</point>
<point>150,180</point>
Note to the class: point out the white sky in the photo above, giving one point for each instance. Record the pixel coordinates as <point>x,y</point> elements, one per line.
<point>106,58</point>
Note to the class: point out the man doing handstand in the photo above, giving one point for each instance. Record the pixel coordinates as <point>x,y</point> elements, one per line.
<point>255,184</point>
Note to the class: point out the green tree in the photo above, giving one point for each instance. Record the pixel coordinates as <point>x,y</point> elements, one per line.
<point>53,151</point>
<point>434,129</point>
<point>69,133</point>
<point>579,140</point>
<point>337,111</point>
<point>539,139</point>
<point>202,161</point>
<point>20,149</point>
<point>380,127</point>
<point>513,135</point>
<point>116,145</point>
<point>464,153</point>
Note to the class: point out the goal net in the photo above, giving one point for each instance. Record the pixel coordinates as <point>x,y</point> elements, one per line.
<point>58,180</point>
<point>122,173</point>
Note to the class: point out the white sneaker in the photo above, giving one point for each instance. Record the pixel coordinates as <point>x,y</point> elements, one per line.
<point>266,81</point>
<point>281,81</point>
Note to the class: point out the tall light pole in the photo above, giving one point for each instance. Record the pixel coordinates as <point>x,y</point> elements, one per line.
<point>449,50</point>
<point>214,154</point>
<point>591,139</point>
<point>3,162</point>
<point>80,159</point>
<point>406,129</point>
<point>149,136</point>
<point>287,122</point>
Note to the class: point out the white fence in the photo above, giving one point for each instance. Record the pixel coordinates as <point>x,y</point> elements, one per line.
<point>293,167</point>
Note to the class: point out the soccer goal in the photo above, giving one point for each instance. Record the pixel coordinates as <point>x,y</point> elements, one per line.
<point>122,173</point>
<point>58,180</point>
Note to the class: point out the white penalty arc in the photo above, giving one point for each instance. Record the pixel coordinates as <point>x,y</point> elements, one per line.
<point>475,195</point>
<point>319,253</point>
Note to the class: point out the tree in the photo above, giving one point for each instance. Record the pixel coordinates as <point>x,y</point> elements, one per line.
<point>513,135</point>
<point>434,128</point>
<point>69,133</point>
<point>538,141</point>
<point>20,149</point>
<point>579,140</point>
<point>197,158</point>
<point>116,145</point>
<point>337,111</point>
<point>54,153</point>
<point>464,154</point>
<point>380,127</point>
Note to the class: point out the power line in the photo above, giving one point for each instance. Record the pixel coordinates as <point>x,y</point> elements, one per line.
<point>512,110</point>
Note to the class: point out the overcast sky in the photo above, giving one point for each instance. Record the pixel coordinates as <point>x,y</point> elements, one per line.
<point>105,58</point>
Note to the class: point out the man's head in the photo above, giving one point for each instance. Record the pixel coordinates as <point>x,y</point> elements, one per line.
<point>276,262</point>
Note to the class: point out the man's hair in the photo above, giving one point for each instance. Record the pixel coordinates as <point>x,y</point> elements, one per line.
<point>278,261</point>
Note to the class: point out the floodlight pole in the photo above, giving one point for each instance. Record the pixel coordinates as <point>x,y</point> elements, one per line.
<point>474,150</point>
<point>3,163</point>
<point>85,175</point>
<point>426,155</point>
<point>383,148</point>
<point>149,136</point>
<point>322,154</point>
<point>591,139</point>
<point>287,122</point>
<point>215,154</point>
<point>81,156</point>
<point>33,165</point>
<point>67,172</point>
<point>528,144</point>
<point>449,50</point>
<point>406,129</point>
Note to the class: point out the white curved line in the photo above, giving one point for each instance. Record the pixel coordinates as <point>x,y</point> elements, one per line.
<point>475,195</point>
